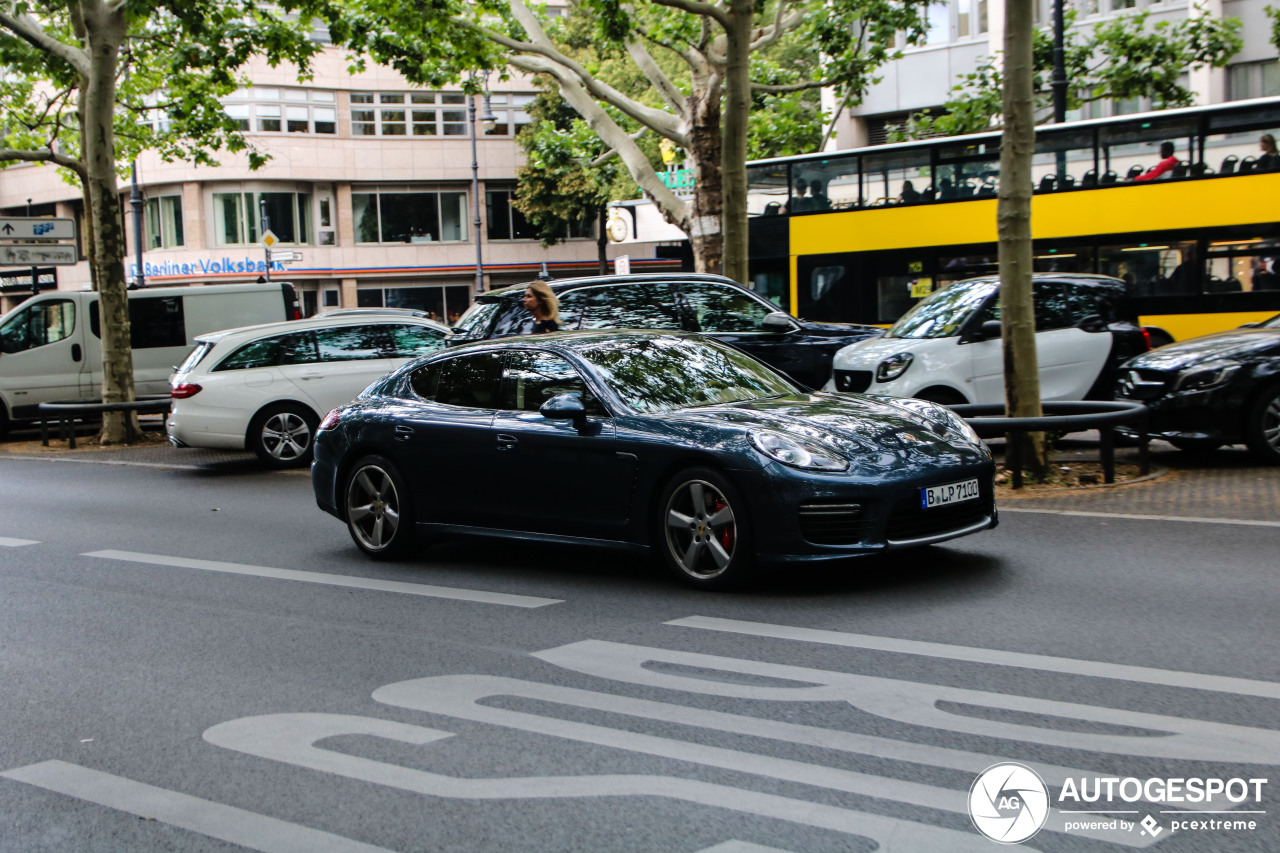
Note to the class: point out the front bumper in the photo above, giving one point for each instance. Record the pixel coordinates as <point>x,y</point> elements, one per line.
<point>802,517</point>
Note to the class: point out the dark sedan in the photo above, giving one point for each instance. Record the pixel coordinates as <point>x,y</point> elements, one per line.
<point>663,442</point>
<point>709,304</point>
<point>1210,391</point>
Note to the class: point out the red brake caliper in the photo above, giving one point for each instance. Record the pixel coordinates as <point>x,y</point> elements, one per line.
<point>726,534</point>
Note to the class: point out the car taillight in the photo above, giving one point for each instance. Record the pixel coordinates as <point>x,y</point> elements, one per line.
<point>331,420</point>
<point>181,392</point>
<point>1146,336</point>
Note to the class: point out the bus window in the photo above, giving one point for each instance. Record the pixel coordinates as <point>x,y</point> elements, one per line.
<point>1166,269</point>
<point>1064,161</point>
<point>767,188</point>
<point>902,177</point>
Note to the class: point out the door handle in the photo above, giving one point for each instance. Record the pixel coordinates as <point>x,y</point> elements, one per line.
<point>403,433</point>
<point>75,352</point>
<point>311,376</point>
<point>507,442</point>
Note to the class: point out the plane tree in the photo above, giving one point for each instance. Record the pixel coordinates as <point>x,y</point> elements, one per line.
<point>701,62</point>
<point>91,83</point>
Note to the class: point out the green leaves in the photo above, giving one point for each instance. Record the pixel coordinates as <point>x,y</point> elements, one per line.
<point>1120,59</point>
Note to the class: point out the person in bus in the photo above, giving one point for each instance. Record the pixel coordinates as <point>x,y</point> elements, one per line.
<point>1269,159</point>
<point>818,196</point>
<point>799,201</point>
<point>1167,162</point>
<point>910,195</point>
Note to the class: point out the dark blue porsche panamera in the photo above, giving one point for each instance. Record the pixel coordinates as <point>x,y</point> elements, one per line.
<point>668,442</point>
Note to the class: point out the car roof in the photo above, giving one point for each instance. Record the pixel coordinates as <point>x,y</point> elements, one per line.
<point>1081,278</point>
<point>572,340</point>
<point>560,285</point>
<point>321,321</point>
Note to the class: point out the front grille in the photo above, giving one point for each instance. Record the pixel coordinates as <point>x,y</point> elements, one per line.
<point>1143,384</point>
<point>910,521</point>
<point>835,523</point>
<point>853,381</point>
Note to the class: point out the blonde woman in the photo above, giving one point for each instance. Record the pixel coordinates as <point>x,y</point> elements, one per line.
<point>541,302</point>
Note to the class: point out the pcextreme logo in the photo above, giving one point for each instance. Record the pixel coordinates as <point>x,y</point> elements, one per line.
<point>1009,803</point>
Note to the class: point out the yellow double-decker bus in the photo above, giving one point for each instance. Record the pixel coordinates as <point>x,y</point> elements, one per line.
<point>860,235</point>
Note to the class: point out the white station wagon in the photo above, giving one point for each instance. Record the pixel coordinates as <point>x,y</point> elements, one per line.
<point>265,388</point>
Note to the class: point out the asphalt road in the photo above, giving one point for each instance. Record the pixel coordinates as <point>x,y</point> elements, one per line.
<point>200,660</point>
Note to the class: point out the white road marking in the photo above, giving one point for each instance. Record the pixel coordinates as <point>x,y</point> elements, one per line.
<point>293,738</point>
<point>472,698</point>
<point>428,590</point>
<point>1138,517</point>
<point>225,823</point>
<point>15,543</point>
<point>1096,669</point>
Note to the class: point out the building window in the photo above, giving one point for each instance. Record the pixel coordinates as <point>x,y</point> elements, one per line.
<point>271,110</point>
<point>510,109</point>
<point>408,114</point>
<point>505,222</point>
<point>164,222</point>
<point>1253,80</point>
<point>237,217</point>
<point>409,217</point>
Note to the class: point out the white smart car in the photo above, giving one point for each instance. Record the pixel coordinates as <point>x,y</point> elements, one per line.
<point>265,388</point>
<point>947,348</point>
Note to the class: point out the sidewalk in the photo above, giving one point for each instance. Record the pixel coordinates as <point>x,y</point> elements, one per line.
<point>1225,484</point>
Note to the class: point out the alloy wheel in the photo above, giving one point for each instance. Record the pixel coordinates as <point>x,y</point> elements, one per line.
<point>286,436</point>
<point>701,530</point>
<point>373,508</point>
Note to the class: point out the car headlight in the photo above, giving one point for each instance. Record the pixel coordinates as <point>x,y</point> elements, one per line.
<point>1206,376</point>
<point>893,367</point>
<point>797,452</point>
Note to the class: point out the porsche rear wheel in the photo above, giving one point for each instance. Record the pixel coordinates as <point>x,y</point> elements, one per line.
<point>702,530</point>
<point>376,504</point>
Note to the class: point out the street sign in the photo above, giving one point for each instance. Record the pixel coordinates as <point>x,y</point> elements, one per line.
<point>37,254</point>
<point>36,228</point>
<point>285,257</point>
<point>269,238</point>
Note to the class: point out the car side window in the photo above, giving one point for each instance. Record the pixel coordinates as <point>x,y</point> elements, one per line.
<point>293,348</point>
<point>1055,308</point>
<point>470,380</point>
<point>353,343</point>
<point>627,306</point>
<point>426,379</point>
<point>715,308</point>
<point>531,378</point>
<point>40,324</point>
<point>408,341</point>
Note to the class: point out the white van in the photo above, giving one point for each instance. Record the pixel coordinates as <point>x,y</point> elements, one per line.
<point>51,345</point>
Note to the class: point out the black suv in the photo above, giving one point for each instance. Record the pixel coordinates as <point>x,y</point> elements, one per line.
<point>691,302</point>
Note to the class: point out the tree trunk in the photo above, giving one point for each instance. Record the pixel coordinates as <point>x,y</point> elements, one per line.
<point>705,145</point>
<point>1013,217</point>
<point>737,88</point>
<point>106,31</point>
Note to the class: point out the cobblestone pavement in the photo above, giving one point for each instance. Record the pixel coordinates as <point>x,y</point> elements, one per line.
<point>1224,484</point>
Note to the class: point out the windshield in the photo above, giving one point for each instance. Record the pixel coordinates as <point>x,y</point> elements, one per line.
<point>473,322</point>
<point>663,374</point>
<point>942,313</point>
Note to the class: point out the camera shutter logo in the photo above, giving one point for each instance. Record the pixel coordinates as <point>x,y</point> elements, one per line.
<point>1009,803</point>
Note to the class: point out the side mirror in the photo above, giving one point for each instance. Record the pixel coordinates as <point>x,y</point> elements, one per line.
<point>990,329</point>
<point>565,407</point>
<point>777,321</point>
